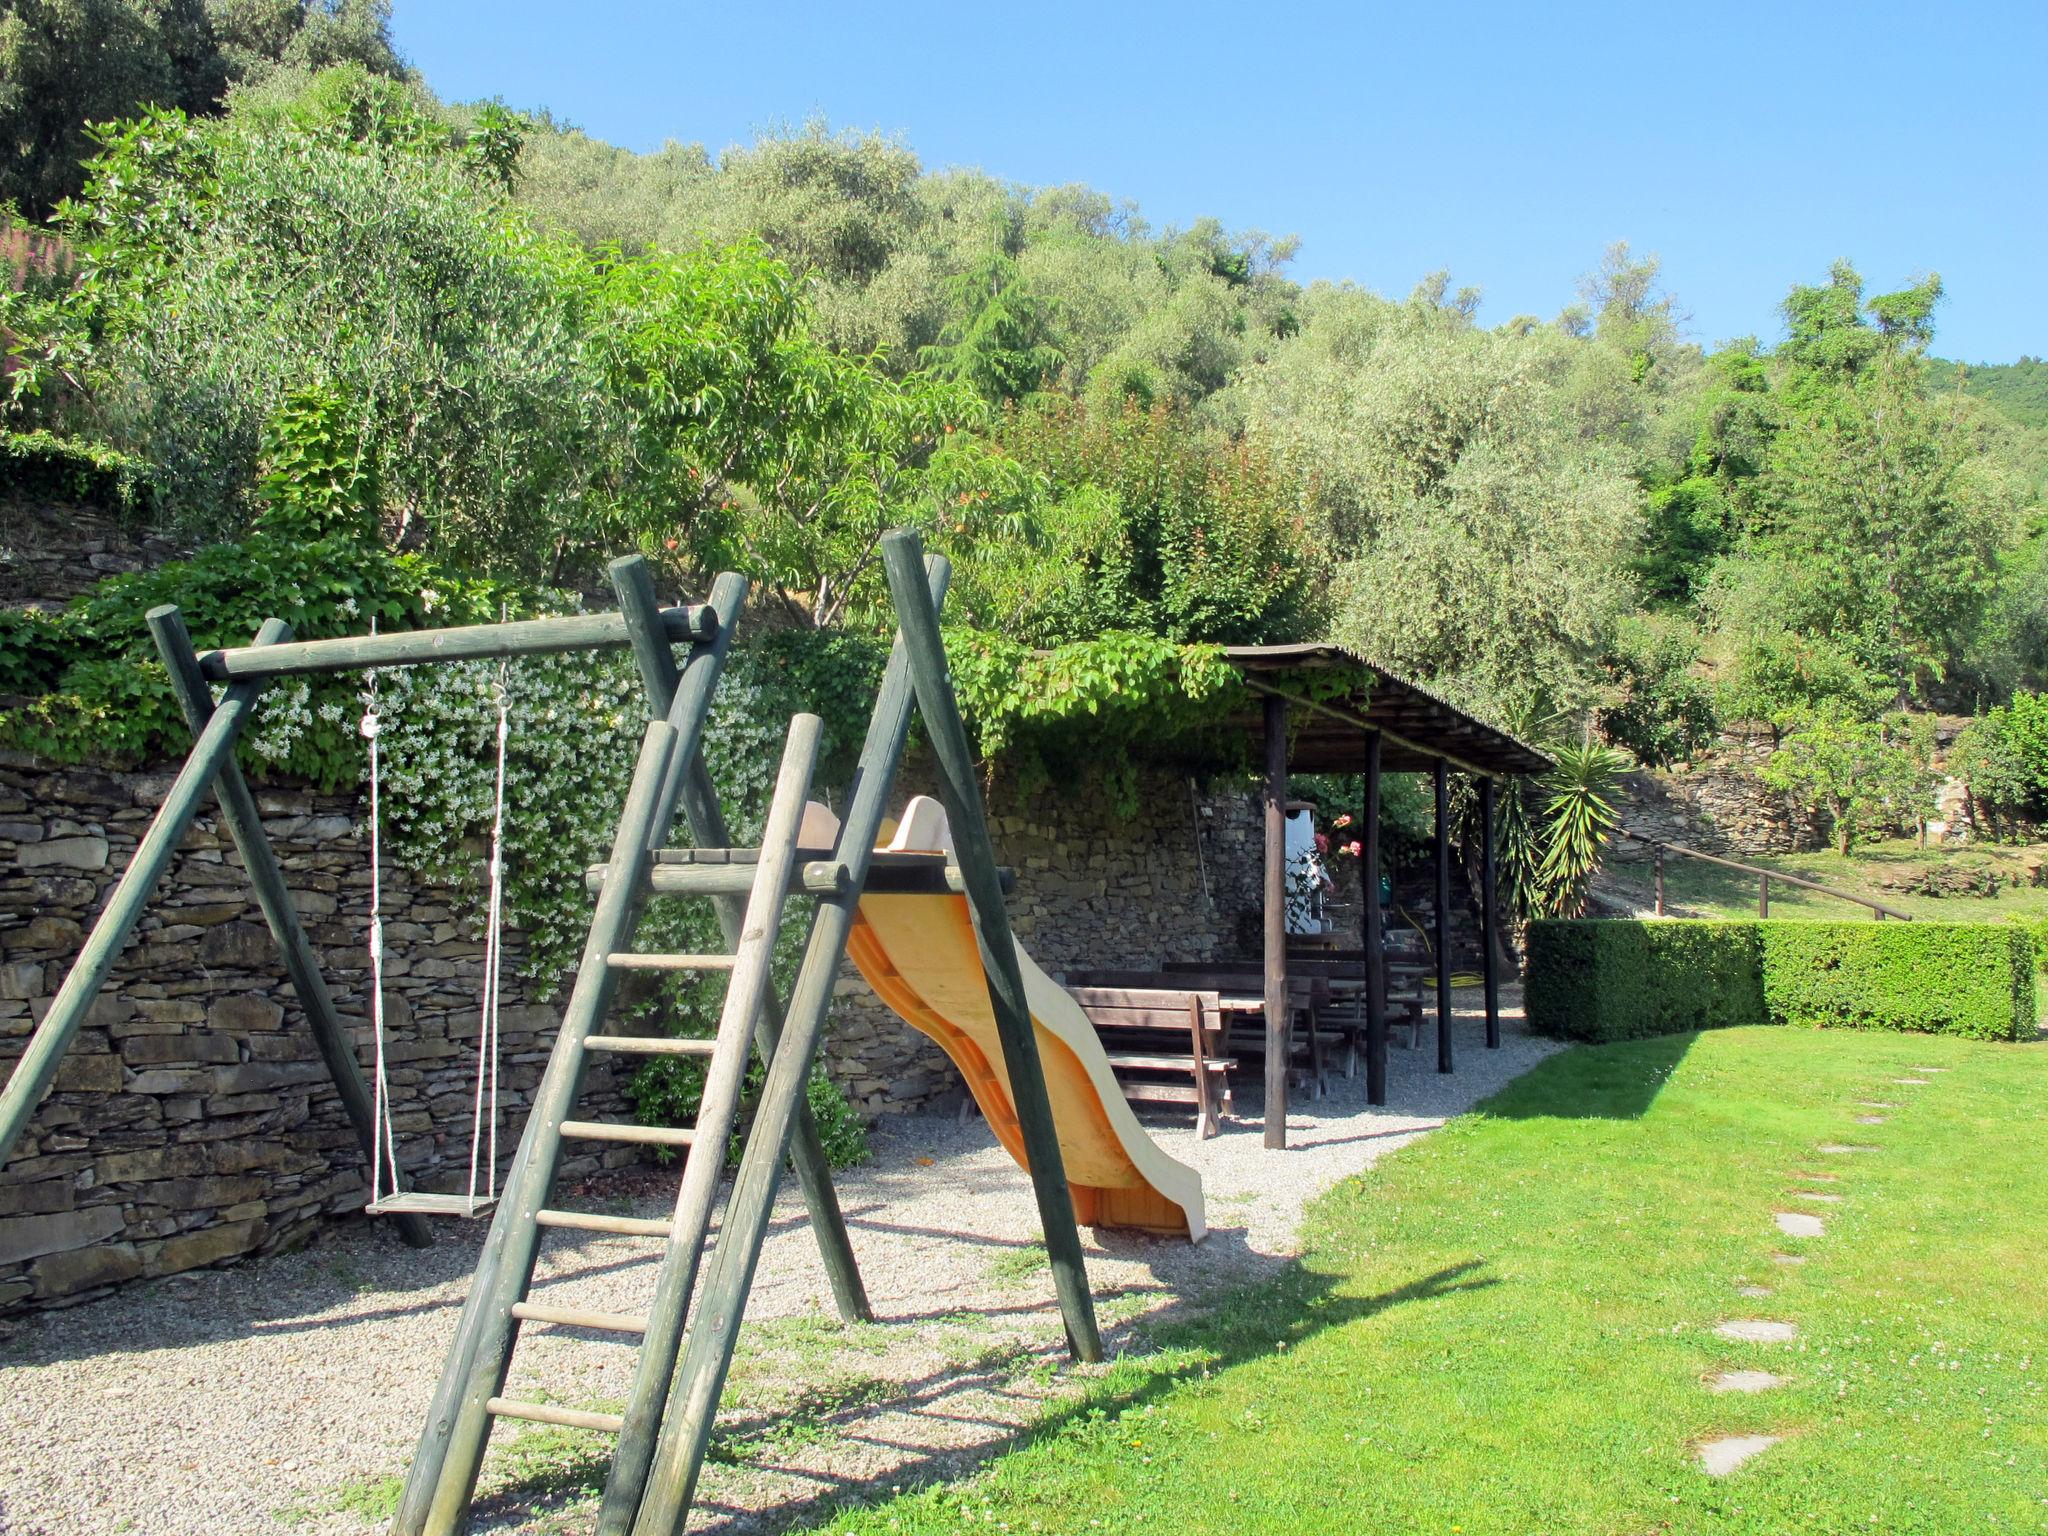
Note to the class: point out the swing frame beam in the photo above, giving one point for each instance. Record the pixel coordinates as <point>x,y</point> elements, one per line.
<point>210,767</point>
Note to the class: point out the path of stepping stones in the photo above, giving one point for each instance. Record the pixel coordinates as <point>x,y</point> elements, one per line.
<point>1724,1454</point>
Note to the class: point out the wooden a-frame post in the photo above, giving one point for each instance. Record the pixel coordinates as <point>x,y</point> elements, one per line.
<point>960,793</point>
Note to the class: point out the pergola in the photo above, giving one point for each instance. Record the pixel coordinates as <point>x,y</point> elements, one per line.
<point>1327,710</point>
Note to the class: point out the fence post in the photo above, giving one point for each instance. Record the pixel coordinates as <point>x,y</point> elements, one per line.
<point>1763,895</point>
<point>1659,863</point>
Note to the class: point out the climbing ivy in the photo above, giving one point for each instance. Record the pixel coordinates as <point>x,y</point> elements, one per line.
<point>1097,705</point>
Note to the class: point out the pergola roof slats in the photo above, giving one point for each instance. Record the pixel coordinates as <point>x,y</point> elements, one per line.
<point>1416,727</point>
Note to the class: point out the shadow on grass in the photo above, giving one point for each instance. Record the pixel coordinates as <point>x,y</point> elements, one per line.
<point>1250,1323</point>
<point>1617,1081</point>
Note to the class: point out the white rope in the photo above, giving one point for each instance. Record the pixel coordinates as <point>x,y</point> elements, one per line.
<point>487,1016</point>
<point>383,1141</point>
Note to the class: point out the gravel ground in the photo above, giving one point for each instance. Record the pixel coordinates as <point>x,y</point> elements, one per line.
<point>286,1393</point>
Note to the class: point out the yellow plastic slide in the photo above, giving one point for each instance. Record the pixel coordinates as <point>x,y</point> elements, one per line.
<point>920,956</point>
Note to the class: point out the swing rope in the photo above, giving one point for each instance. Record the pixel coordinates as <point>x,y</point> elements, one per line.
<point>487,1027</point>
<point>384,1145</point>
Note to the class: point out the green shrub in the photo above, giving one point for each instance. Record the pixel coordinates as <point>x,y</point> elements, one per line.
<point>2036,929</point>
<point>1600,980</point>
<point>1617,980</point>
<point>1970,979</point>
<point>41,466</point>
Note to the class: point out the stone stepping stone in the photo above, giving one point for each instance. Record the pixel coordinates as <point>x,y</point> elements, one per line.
<point>1816,1178</point>
<point>1752,1291</point>
<point>1720,1457</point>
<point>1757,1330</point>
<point>1927,1069</point>
<point>1800,1224</point>
<point>1745,1381</point>
<point>1871,1119</point>
<point>1875,1104</point>
<point>1788,1258</point>
<point>1915,1082</point>
<point>1843,1149</point>
<point>1815,1194</point>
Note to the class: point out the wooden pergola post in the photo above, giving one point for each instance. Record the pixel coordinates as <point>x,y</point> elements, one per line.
<point>1489,938</point>
<point>1275,799</point>
<point>1441,772</point>
<point>1375,958</point>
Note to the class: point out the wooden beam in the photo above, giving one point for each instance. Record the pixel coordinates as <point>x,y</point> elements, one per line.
<point>1442,783</point>
<point>245,824</point>
<point>470,642</point>
<point>37,1068</point>
<point>1489,937</point>
<point>707,1356</point>
<point>1375,939</point>
<point>450,1452</point>
<point>1274,802</point>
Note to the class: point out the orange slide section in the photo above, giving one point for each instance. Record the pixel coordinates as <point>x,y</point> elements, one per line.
<point>920,956</point>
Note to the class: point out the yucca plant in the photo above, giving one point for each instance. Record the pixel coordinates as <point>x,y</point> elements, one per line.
<point>1578,821</point>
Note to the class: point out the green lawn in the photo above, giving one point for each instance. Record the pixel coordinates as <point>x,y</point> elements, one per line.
<point>1506,1327</point>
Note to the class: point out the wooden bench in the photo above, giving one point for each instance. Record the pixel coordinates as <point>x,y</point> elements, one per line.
<point>1166,1045</point>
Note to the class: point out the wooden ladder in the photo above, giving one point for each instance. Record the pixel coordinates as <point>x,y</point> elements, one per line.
<point>661,1328</point>
<point>666,1427</point>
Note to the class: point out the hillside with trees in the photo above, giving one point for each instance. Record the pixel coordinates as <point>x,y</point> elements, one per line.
<point>305,303</point>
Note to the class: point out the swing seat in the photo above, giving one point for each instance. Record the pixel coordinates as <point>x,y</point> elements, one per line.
<point>420,1203</point>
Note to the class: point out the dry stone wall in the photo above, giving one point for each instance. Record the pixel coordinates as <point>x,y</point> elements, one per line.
<point>193,1120</point>
<point>1720,806</point>
<point>49,554</point>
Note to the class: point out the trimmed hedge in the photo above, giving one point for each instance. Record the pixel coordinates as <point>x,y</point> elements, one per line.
<point>41,465</point>
<point>2037,929</point>
<point>1622,980</point>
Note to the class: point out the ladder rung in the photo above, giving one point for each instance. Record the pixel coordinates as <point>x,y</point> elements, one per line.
<point>648,1135</point>
<point>578,1317</point>
<point>634,962</point>
<point>649,1045</point>
<point>908,875</point>
<point>590,1221</point>
<point>821,878</point>
<point>548,1413</point>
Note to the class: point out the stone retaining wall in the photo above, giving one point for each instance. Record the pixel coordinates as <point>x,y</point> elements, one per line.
<point>49,554</point>
<point>193,1120</point>
<point>1718,807</point>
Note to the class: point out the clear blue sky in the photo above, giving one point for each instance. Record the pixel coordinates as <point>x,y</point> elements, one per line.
<point>1748,144</point>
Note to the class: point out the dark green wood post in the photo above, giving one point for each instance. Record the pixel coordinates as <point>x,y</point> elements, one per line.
<point>451,1448</point>
<point>1274,803</point>
<point>1442,777</point>
<point>1375,939</point>
<point>1489,919</point>
<point>274,897</point>
<point>37,1068</point>
<point>960,792</point>
<point>651,649</point>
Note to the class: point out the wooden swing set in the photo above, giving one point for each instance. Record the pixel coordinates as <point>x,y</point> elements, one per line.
<point>662,1436</point>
